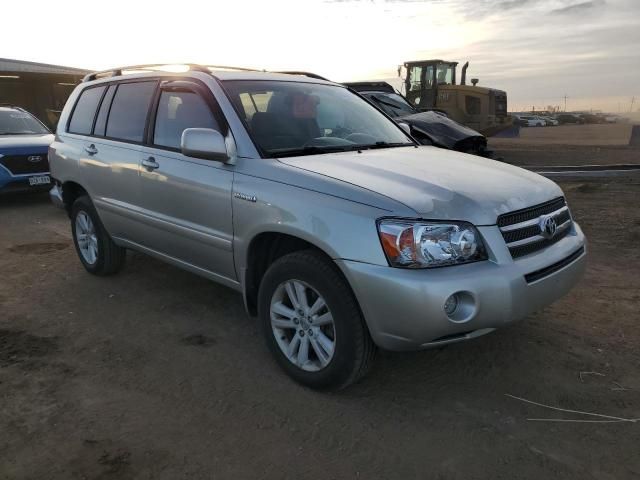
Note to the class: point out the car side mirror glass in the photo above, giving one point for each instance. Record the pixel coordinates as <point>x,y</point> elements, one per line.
<point>204,143</point>
<point>405,127</point>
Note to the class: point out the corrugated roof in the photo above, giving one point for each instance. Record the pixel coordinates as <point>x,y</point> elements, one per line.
<point>9,65</point>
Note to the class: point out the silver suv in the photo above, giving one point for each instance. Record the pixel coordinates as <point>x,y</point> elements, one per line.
<point>340,231</point>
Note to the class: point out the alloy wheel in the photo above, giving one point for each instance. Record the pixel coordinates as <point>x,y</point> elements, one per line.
<point>303,325</point>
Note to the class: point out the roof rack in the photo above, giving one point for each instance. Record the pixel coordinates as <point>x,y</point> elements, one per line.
<point>242,69</point>
<point>306,74</point>
<point>116,72</point>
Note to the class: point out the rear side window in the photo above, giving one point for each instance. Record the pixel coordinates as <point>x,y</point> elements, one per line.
<point>129,109</point>
<point>178,111</point>
<point>101,120</point>
<point>85,111</point>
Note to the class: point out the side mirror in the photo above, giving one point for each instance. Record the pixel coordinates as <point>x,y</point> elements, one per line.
<point>204,143</point>
<point>405,127</point>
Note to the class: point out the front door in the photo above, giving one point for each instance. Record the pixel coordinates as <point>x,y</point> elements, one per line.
<point>186,201</point>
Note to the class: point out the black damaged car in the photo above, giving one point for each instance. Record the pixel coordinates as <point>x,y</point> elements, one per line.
<point>429,128</point>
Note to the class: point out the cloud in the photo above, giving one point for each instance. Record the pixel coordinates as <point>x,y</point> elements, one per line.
<point>578,7</point>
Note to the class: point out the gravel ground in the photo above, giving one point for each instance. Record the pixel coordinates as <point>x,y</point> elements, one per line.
<point>156,373</point>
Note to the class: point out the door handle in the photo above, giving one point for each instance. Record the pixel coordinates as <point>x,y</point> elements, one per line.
<point>150,164</point>
<point>91,149</point>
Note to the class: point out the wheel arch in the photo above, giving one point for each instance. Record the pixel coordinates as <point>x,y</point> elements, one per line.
<point>70,192</point>
<point>266,247</point>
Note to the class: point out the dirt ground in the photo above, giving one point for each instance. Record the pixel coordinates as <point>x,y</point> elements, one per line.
<point>157,373</point>
<point>568,145</point>
<point>523,154</point>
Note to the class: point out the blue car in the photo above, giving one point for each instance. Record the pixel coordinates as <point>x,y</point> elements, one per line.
<point>24,144</point>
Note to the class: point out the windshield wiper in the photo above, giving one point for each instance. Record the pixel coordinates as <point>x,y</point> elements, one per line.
<point>312,150</point>
<point>315,150</point>
<point>386,145</point>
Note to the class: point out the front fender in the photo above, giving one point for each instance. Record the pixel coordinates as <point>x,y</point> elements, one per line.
<point>341,228</point>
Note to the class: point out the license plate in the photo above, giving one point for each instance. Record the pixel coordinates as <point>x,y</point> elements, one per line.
<point>40,180</point>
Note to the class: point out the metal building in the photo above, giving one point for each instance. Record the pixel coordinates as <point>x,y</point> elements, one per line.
<point>40,88</point>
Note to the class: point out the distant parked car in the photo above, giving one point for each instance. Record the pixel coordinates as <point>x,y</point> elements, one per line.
<point>429,128</point>
<point>565,118</point>
<point>24,143</point>
<point>531,121</point>
<point>549,121</point>
<point>591,118</point>
<point>517,120</point>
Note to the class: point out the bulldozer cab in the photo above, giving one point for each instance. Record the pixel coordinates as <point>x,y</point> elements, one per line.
<point>423,79</point>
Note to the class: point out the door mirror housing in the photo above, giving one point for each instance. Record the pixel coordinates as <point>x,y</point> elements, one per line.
<point>204,143</point>
<point>405,127</point>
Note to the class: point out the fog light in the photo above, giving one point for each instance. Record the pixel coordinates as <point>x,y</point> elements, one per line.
<point>451,304</point>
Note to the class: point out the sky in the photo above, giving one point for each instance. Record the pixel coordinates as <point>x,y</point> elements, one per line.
<point>537,50</point>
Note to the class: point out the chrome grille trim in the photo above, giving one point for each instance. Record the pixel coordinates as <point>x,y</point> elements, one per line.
<point>538,238</point>
<point>522,229</point>
<point>533,221</point>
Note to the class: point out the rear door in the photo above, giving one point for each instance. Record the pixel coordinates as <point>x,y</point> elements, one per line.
<point>110,164</point>
<point>186,201</point>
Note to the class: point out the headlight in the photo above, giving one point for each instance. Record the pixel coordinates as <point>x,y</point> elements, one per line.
<point>426,245</point>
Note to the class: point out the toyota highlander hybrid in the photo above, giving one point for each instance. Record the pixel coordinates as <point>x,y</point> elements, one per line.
<point>342,233</point>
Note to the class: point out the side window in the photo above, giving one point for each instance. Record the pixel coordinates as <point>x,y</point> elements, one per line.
<point>178,111</point>
<point>101,120</point>
<point>85,111</point>
<point>129,109</point>
<point>415,81</point>
<point>255,102</point>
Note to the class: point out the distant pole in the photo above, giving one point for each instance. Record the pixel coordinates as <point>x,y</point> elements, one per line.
<point>633,100</point>
<point>565,102</point>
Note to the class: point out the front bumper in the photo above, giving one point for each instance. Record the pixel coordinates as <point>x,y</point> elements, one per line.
<point>404,309</point>
<point>20,183</point>
<point>55,194</point>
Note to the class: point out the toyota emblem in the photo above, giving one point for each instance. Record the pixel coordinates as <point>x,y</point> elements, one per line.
<point>548,227</point>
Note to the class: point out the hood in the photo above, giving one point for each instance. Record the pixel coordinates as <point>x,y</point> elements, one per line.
<point>442,130</point>
<point>437,184</point>
<point>24,144</point>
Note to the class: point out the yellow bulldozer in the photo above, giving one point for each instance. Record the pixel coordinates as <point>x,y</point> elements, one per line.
<point>432,85</point>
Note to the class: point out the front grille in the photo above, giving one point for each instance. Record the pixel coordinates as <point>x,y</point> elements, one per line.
<point>522,230</point>
<point>21,165</point>
<point>531,212</point>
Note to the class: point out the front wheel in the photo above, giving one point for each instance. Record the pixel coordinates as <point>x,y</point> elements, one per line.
<point>97,251</point>
<point>312,323</point>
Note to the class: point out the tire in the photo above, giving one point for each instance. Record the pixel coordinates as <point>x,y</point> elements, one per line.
<point>353,350</point>
<point>98,253</point>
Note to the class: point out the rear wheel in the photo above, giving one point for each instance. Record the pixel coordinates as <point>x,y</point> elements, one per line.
<point>97,251</point>
<point>312,323</point>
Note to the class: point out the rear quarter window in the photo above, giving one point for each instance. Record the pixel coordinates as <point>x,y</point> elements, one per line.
<point>85,110</point>
<point>128,114</point>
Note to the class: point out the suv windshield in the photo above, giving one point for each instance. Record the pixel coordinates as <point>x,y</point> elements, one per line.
<point>297,118</point>
<point>16,122</point>
<point>390,103</point>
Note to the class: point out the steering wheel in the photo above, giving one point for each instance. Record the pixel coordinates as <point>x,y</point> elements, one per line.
<point>340,132</point>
